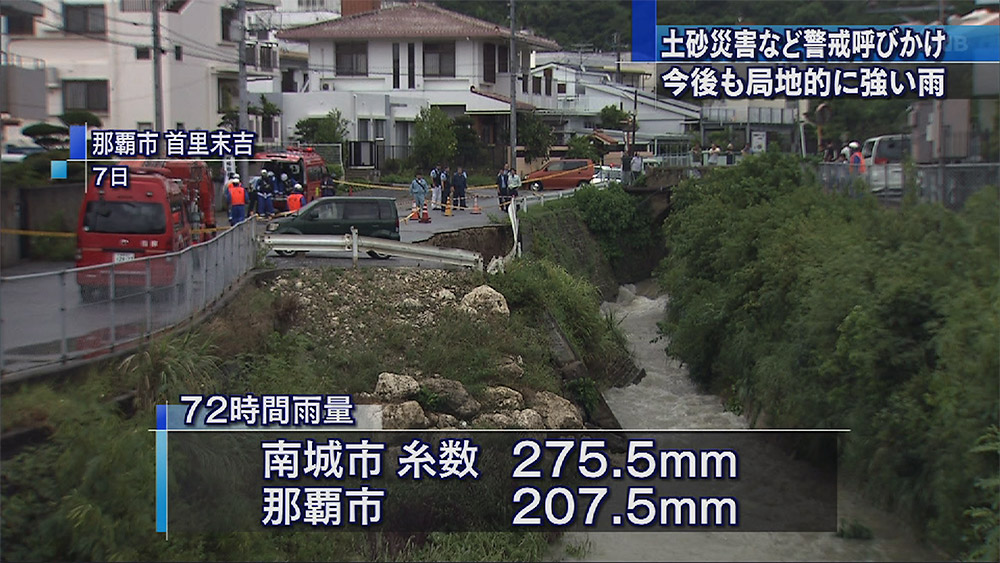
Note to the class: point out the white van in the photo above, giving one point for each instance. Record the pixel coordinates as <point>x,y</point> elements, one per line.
<point>884,157</point>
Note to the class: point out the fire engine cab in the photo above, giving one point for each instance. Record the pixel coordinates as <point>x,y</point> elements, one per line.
<point>301,165</point>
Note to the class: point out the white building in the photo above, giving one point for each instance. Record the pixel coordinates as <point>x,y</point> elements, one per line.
<point>98,57</point>
<point>379,68</point>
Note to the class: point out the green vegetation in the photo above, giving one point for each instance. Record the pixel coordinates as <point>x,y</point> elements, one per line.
<point>58,249</point>
<point>581,146</point>
<point>534,135</point>
<point>613,117</point>
<point>332,128</point>
<point>830,312</point>
<point>87,493</point>
<point>35,170</point>
<point>433,138</point>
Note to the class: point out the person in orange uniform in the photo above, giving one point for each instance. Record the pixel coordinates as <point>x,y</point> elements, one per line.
<point>236,197</point>
<point>857,160</point>
<point>296,200</point>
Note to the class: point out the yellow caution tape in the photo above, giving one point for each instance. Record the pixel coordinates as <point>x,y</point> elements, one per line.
<point>38,233</point>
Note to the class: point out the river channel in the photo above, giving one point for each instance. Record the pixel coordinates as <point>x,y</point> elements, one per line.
<point>667,399</point>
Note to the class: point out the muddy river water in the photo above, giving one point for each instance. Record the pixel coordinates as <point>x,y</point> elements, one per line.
<point>667,399</point>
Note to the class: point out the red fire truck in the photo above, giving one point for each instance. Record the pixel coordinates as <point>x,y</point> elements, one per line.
<point>302,165</point>
<point>121,226</point>
<point>196,187</point>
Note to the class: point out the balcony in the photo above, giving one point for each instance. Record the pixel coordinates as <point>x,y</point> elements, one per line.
<point>22,87</point>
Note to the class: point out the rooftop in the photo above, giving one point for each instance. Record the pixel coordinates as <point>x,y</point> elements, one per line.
<point>411,21</point>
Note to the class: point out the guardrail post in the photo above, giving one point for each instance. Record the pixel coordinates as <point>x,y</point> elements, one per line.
<point>111,298</point>
<point>149,297</point>
<point>62,315</point>
<point>354,246</point>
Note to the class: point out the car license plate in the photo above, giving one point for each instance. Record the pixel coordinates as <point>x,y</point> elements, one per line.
<point>124,257</point>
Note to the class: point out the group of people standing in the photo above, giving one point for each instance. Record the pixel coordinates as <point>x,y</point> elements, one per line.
<point>259,194</point>
<point>446,188</point>
<point>850,153</point>
<point>508,184</point>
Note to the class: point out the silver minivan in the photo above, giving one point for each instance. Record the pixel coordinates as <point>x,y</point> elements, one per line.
<point>884,157</point>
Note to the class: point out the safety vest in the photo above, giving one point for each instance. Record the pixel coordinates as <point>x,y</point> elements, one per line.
<point>237,195</point>
<point>857,163</point>
<point>295,202</point>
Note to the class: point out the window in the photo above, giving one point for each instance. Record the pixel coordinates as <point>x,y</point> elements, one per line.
<point>411,65</point>
<point>536,84</point>
<point>548,81</point>
<point>142,53</point>
<point>361,210</point>
<point>84,18</point>
<point>312,4</point>
<point>524,83</point>
<point>395,65</point>
<point>267,58</point>
<point>352,59</point>
<point>378,126</point>
<point>91,95</point>
<point>178,53</point>
<point>363,129</point>
<point>503,59</point>
<point>561,88</point>
<point>439,59</point>
<point>19,23</point>
<point>489,62</point>
<point>229,93</point>
<point>144,126</point>
<point>180,126</point>
<point>229,31</point>
<point>124,217</point>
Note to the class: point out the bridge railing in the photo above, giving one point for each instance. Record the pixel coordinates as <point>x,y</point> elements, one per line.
<point>950,185</point>
<point>58,319</point>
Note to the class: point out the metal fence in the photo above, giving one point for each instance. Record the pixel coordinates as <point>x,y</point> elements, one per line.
<point>950,185</point>
<point>59,318</point>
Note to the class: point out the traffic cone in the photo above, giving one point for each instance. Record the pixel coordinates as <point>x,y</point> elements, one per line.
<point>475,206</point>
<point>414,212</point>
<point>426,217</point>
<point>447,207</point>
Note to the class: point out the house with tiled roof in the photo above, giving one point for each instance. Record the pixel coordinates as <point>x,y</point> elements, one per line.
<point>381,67</point>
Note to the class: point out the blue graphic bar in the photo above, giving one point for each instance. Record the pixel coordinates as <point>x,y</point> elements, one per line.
<point>791,44</point>
<point>644,37</point>
<point>57,169</point>
<point>78,142</point>
<point>161,468</point>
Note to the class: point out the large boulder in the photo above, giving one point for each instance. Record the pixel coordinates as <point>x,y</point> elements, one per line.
<point>494,420</point>
<point>394,387</point>
<point>484,300</point>
<point>442,420</point>
<point>451,397</point>
<point>556,411</point>
<point>404,415</point>
<point>528,419</point>
<point>503,398</point>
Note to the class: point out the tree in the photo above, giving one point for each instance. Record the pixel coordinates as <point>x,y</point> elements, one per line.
<point>80,117</point>
<point>331,128</point>
<point>614,118</point>
<point>47,135</point>
<point>433,137</point>
<point>468,145</point>
<point>534,134</point>
<point>582,146</point>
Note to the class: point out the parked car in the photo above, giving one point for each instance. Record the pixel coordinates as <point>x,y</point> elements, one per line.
<point>561,174</point>
<point>884,157</point>
<point>604,175</point>
<point>371,216</point>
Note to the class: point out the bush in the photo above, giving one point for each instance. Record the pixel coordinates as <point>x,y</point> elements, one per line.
<point>828,312</point>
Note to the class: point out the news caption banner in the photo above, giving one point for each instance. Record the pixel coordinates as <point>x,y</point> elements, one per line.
<point>826,61</point>
<point>111,145</point>
<point>320,462</point>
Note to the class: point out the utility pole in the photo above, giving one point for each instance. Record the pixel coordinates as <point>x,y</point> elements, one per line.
<point>513,87</point>
<point>940,119</point>
<point>244,122</point>
<point>635,114</point>
<point>618,61</point>
<point>157,69</point>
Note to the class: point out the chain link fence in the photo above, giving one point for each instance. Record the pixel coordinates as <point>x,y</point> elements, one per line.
<point>58,318</point>
<point>950,185</point>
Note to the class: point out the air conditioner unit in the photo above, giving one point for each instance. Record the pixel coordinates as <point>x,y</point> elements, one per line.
<point>52,77</point>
